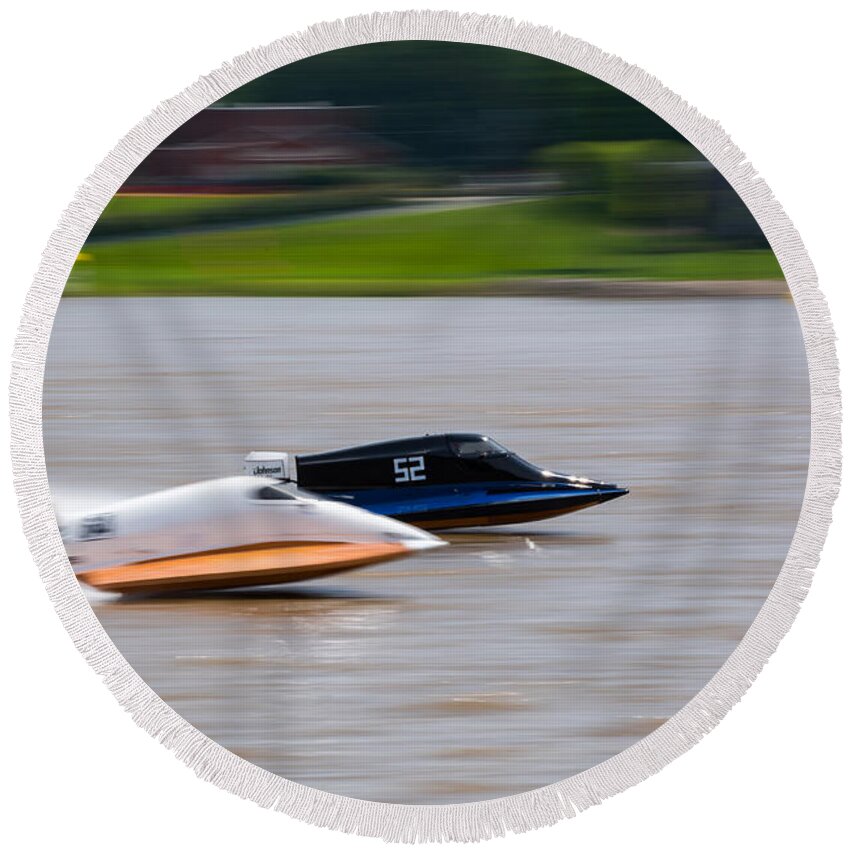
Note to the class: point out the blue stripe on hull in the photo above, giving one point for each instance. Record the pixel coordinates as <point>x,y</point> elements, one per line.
<point>447,499</point>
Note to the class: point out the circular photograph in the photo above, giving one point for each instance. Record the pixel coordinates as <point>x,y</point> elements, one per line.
<point>426,422</point>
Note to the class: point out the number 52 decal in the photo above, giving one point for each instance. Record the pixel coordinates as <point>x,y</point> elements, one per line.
<point>409,469</point>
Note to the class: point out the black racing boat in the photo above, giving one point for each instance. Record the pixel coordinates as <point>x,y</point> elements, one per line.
<point>446,481</point>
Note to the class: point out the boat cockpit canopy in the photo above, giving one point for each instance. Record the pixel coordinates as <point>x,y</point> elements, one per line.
<point>474,446</point>
<point>269,493</point>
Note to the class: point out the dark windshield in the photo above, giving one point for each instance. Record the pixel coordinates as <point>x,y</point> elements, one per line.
<point>478,447</point>
<point>273,494</point>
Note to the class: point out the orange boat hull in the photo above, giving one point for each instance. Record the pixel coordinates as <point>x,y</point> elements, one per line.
<point>246,566</point>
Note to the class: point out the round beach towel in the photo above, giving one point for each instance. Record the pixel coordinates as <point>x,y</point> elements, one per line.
<point>427,430</point>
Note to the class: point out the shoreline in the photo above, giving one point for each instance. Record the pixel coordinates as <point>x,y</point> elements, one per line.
<point>524,288</point>
<point>596,288</point>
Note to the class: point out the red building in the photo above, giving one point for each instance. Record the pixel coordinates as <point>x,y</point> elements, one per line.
<point>260,147</point>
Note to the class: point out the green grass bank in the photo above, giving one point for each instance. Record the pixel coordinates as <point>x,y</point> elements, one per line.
<point>523,243</point>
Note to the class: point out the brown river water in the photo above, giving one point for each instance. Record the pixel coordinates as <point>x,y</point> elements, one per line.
<point>516,656</point>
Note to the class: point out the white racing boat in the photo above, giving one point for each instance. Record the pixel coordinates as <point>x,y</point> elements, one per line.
<point>230,532</point>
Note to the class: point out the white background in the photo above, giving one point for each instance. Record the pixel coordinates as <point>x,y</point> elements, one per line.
<point>77,77</point>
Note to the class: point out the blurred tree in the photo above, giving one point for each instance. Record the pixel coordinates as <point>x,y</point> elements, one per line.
<point>652,182</point>
<point>463,106</point>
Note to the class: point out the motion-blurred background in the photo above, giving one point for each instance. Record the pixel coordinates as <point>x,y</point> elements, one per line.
<point>423,167</point>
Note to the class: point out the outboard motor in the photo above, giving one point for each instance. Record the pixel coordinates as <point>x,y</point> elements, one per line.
<point>270,465</point>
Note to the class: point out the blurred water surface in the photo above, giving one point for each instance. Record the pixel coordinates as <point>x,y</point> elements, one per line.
<point>516,656</point>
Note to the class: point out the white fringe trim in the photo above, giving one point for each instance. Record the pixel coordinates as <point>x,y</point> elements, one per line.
<point>470,821</point>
